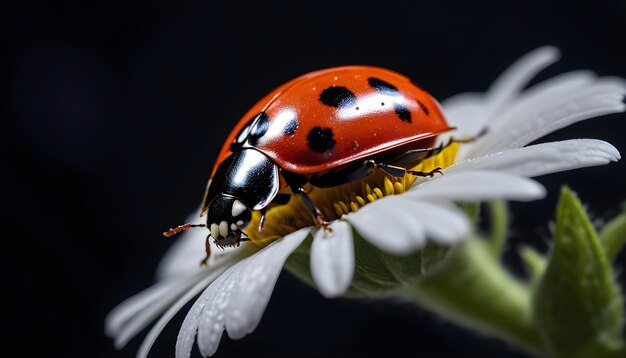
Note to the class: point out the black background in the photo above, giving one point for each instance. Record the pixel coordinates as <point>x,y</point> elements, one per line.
<point>113,114</point>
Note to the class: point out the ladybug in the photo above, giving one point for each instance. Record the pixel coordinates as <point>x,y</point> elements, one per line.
<point>325,128</point>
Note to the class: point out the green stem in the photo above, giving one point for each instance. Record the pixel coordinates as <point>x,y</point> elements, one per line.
<point>498,214</point>
<point>472,289</point>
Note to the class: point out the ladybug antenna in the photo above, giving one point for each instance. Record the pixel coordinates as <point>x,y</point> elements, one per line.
<point>180,228</point>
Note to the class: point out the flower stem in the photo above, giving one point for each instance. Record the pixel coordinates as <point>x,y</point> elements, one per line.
<point>498,215</point>
<point>472,289</point>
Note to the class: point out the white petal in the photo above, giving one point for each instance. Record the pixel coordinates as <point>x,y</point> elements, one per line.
<point>466,112</point>
<point>493,121</point>
<point>210,275</point>
<point>186,252</point>
<point>187,333</point>
<point>254,288</point>
<point>185,258</point>
<point>471,112</point>
<point>210,320</point>
<point>388,224</point>
<point>155,331</point>
<point>477,186</point>
<point>544,110</point>
<point>400,225</point>
<point>514,78</point>
<point>332,259</point>
<point>444,223</point>
<point>132,315</point>
<point>143,315</point>
<point>237,299</point>
<point>121,314</point>
<point>544,158</point>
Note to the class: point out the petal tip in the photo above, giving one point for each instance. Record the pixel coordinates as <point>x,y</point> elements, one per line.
<point>549,52</point>
<point>539,191</point>
<point>614,154</point>
<point>330,291</point>
<point>332,260</point>
<point>608,150</point>
<point>119,344</point>
<point>530,190</point>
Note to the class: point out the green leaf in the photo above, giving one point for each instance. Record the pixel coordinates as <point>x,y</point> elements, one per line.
<point>534,262</point>
<point>578,307</point>
<point>613,235</point>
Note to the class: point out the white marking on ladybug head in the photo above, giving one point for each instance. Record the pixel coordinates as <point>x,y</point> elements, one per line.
<point>223,228</point>
<point>237,208</point>
<point>240,223</point>
<point>215,231</point>
<point>233,227</point>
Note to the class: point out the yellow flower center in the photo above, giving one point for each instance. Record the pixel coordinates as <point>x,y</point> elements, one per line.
<point>340,200</point>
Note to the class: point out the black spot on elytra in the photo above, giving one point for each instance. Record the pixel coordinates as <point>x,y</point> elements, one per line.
<point>424,108</point>
<point>337,97</point>
<point>291,126</point>
<point>320,139</point>
<point>259,129</point>
<point>403,113</point>
<point>382,86</point>
<point>387,88</point>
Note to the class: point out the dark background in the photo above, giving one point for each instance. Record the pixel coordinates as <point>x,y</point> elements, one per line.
<point>113,114</point>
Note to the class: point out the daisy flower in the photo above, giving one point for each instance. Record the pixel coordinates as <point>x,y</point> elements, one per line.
<point>395,215</point>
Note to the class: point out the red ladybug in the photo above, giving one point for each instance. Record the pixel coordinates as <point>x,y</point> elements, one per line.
<point>325,128</point>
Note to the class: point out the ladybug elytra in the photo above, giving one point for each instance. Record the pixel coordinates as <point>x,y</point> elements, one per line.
<point>323,129</point>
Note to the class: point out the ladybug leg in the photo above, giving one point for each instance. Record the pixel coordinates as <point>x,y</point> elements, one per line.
<point>308,203</point>
<point>207,248</point>
<point>280,199</point>
<point>262,220</point>
<point>318,218</point>
<point>416,155</point>
<point>399,172</point>
<point>413,156</point>
<point>429,174</point>
<point>295,182</point>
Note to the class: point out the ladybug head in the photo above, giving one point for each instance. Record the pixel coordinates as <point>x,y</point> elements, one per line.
<point>227,216</point>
